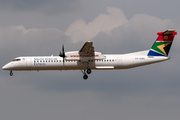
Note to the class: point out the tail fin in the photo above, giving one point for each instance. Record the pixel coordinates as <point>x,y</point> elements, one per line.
<point>163,43</point>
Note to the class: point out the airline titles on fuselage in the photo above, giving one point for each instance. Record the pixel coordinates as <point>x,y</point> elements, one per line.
<point>84,56</point>
<point>42,61</point>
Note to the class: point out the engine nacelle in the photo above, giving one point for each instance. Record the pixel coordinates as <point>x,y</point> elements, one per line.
<point>74,55</point>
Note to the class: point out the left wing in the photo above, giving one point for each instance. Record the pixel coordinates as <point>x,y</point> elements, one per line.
<point>87,49</point>
<point>85,54</point>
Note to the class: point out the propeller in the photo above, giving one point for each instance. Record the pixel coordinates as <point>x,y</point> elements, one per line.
<point>62,54</point>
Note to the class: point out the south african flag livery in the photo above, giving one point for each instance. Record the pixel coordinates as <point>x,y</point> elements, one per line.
<point>163,43</point>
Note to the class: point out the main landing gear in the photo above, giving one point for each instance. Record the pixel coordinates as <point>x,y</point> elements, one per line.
<point>11,73</point>
<point>88,71</point>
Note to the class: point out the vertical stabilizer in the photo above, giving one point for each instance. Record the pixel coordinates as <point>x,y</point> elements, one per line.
<point>162,45</point>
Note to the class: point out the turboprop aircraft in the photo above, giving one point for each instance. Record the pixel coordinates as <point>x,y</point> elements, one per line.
<point>86,59</point>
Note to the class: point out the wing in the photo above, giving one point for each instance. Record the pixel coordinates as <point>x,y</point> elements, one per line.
<point>87,49</point>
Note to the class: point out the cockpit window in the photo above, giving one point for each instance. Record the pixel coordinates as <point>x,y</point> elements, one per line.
<point>16,60</point>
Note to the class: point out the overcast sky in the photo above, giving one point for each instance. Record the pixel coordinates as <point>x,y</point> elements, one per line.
<point>40,27</point>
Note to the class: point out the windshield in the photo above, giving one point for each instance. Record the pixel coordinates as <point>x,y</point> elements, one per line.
<point>16,60</point>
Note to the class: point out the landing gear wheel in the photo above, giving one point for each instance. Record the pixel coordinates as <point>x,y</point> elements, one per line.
<point>85,76</point>
<point>88,71</point>
<point>11,73</point>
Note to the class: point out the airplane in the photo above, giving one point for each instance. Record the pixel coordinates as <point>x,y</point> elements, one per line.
<point>87,59</point>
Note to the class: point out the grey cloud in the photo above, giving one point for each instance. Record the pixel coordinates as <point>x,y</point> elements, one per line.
<point>60,14</point>
<point>148,92</point>
<point>22,4</point>
<point>18,37</point>
<point>45,6</point>
<point>86,104</point>
<point>139,33</point>
<point>129,37</point>
<point>80,31</point>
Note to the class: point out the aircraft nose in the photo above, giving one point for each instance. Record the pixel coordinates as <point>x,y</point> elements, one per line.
<point>5,67</point>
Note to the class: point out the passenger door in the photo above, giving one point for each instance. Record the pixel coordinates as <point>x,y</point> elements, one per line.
<point>119,61</point>
<point>28,62</point>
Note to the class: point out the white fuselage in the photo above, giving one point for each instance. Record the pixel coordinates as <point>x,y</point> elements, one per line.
<point>111,61</point>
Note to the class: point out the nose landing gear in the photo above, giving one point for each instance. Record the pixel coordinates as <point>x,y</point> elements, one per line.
<point>11,73</point>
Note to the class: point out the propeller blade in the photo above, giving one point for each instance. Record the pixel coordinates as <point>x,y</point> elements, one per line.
<point>62,54</point>
<point>63,48</point>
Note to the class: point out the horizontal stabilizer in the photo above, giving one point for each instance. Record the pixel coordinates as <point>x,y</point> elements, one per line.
<point>169,32</point>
